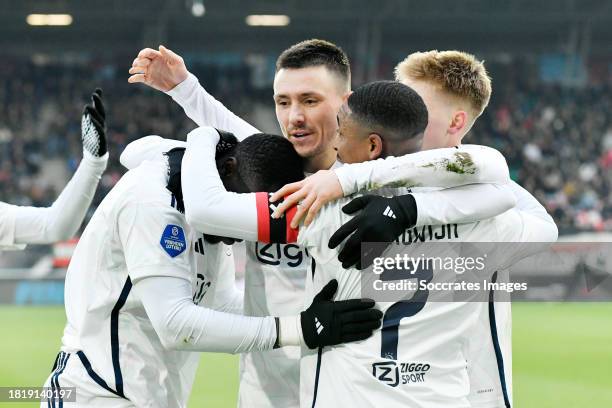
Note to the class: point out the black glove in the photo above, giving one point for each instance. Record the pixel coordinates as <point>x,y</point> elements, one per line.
<point>381,220</point>
<point>327,322</point>
<point>93,126</point>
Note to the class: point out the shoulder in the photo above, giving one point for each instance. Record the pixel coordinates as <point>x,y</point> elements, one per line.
<point>7,209</point>
<point>146,184</point>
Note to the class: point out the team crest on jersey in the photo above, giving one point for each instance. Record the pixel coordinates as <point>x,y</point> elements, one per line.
<point>173,240</point>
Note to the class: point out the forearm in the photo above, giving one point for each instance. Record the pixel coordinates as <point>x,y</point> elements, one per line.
<point>449,167</point>
<point>464,204</point>
<point>181,325</point>
<point>230,301</point>
<point>209,208</point>
<point>528,203</point>
<point>205,110</point>
<point>63,218</point>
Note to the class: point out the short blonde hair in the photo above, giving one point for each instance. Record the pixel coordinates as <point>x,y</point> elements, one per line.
<point>457,73</point>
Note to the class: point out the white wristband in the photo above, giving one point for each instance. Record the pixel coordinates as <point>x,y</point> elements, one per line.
<point>290,331</point>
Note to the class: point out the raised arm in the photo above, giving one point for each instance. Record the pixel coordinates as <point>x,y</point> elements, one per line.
<point>209,207</point>
<point>60,221</point>
<point>166,71</point>
<point>63,218</point>
<point>205,110</point>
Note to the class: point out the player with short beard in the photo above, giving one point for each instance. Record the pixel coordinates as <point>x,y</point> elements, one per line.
<point>311,81</point>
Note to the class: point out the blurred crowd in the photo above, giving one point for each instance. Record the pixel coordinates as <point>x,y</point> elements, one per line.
<point>40,120</point>
<point>558,144</point>
<point>558,141</point>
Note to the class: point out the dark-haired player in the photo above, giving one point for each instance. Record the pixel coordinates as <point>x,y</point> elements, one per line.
<point>311,80</point>
<point>344,375</point>
<point>140,272</point>
<point>30,225</point>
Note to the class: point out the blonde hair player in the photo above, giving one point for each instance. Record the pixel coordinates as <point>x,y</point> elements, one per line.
<point>455,87</point>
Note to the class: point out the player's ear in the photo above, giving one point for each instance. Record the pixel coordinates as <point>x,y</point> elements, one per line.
<point>346,96</point>
<point>458,122</point>
<point>375,143</point>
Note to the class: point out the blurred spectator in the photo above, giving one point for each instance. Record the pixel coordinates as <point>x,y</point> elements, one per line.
<point>558,141</point>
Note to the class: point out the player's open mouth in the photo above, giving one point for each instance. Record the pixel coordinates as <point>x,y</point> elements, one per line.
<point>299,135</point>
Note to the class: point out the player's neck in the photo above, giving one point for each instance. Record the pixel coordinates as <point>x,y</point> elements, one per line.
<point>322,161</point>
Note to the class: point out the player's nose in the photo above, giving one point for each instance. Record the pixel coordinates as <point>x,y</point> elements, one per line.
<point>296,115</point>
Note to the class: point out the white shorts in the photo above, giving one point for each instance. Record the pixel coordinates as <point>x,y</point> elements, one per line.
<point>68,371</point>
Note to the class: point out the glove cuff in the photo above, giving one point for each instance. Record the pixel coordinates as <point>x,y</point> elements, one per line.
<point>95,160</point>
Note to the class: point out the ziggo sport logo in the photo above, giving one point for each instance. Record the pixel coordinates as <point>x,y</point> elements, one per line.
<point>390,373</point>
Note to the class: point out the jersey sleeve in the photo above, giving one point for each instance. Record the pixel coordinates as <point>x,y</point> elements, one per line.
<point>465,204</point>
<point>205,110</point>
<point>527,235</point>
<point>7,227</point>
<point>528,203</point>
<point>60,221</point>
<point>537,228</point>
<point>448,167</point>
<point>181,325</point>
<point>154,241</point>
<point>211,209</point>
<point>147,148</point>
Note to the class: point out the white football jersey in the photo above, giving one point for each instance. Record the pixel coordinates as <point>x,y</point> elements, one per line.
<point>135,228</point>
<point>7,227</point>
<point>274,286</point>
<point>275,275</point>
<point>423,358</point>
